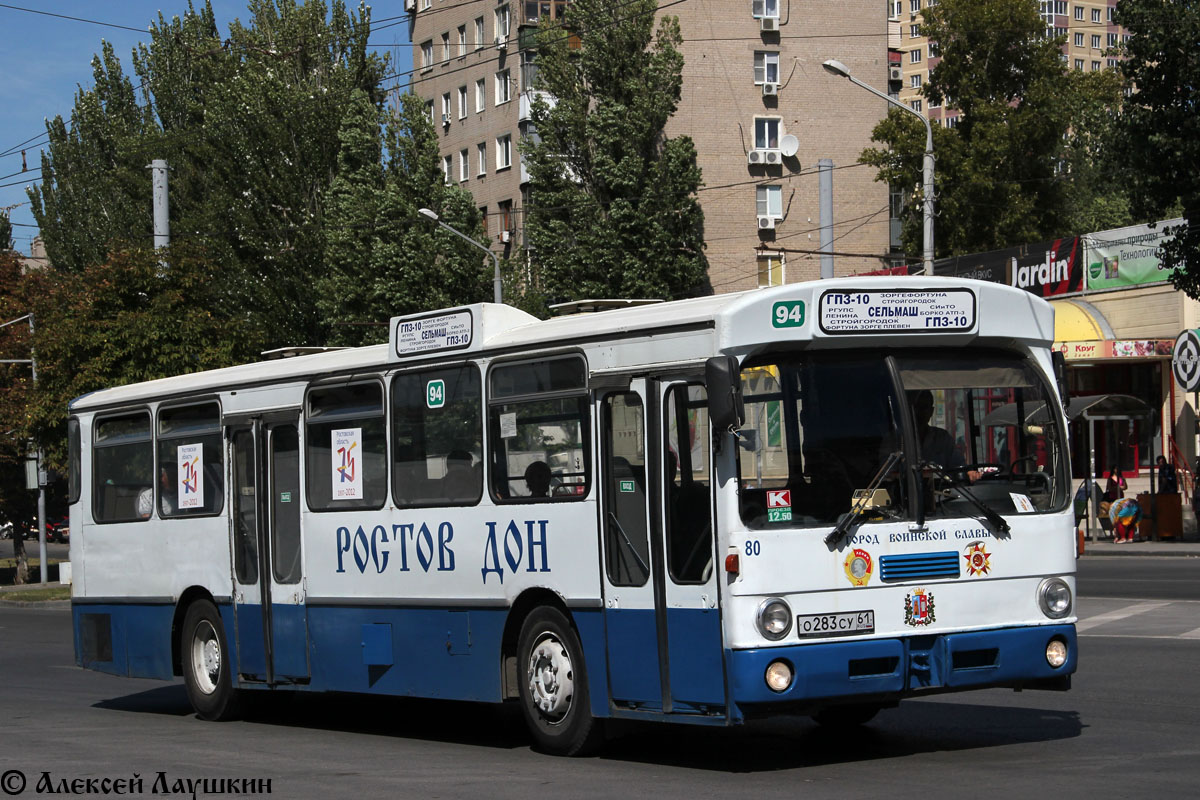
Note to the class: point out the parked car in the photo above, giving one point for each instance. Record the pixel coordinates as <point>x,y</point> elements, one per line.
<point>58,530</point>
<point>6,530</point>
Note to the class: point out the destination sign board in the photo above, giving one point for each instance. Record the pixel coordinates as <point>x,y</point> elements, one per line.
<point>897,311</point>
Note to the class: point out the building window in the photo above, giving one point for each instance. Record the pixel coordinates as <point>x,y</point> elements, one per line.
<point>766,67</point>
<point>766,132</point>
<point>504,151</point>
<point>951,122</point>
<point>529,70</point>
<point>770,269</point>
<point>1095,15</point>
<point>446,108</point>
<point>935,103</point>
<point>462,102</point>
<point>464,165</point>
<point>1079,12</point>
<point>914,31</point>
<point>500,20</point>
<point>916,105</point>
<point>1079,40</point>
<point>479,33</point>
<point>1112,62</point>
<point>765,8</point>
<point>1095,66</point>
<point>481,152</point>
<point>480,94</point>
<point>432,113</point>
<point>1079,63</point>
<point>503,90</point>
<point>1060,7</point>
<point>1112,40</point>
<point>914,81</point>
<point>426,5</point>
<point>446,46</point>
<point>505,211</point>
<point>769,201</point>
<point>462,40</point>
<point>1095,41</point>
<point>427,54</point>
<point>1111,9</point>
<point>914,57</point>
<point>914,5</point>
<point>446,166</point>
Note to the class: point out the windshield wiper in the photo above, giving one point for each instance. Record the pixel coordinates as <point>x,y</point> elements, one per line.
<point>988,514</point>
<point>857,508</point>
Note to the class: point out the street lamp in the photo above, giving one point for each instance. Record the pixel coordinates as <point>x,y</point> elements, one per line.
<point>497,295</point>
<point>840,69</point>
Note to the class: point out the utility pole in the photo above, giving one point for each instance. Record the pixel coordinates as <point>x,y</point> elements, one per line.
<point>162,220</point>
<point>825,189</point>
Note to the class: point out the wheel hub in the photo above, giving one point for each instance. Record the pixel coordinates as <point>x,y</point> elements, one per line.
<point>551,678</point>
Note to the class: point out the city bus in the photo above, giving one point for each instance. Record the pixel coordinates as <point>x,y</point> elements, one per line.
<point>815,499</point>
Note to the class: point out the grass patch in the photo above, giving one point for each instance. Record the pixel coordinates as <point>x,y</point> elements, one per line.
<point>11,563</point>
<point>39,595</point>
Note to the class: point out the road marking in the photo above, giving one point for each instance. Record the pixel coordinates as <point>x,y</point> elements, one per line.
<point>1191,634</point>
<point>1113,616</point>
<point>1135,636</point>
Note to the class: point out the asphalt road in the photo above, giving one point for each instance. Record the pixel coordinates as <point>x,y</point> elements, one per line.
<point>1154,577</point>
<point>53,550</point>
<point>1127,729</point>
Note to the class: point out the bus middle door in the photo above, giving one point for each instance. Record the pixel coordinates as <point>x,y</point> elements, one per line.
<point>272,625</point>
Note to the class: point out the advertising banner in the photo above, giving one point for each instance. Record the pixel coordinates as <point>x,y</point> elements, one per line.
<point>1125,257</point>
<point>1047,269</point>
<point>1116,348</point>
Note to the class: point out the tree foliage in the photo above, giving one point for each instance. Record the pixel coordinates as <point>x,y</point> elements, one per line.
<point>249,125</point>
<point>384,259</point>
<point>1159,125</point>
<point>1019,165</point>
<point>612,209</point>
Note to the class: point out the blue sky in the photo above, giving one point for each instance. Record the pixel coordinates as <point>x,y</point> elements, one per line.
<point>44,60</point>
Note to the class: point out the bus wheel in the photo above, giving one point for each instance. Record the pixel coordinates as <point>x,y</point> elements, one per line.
<point>845,717</point>
<point>554,690</point>
<point>205,658</point>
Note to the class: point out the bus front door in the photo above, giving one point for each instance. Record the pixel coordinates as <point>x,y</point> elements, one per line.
<point>269,608</point>
<point>660,594</point>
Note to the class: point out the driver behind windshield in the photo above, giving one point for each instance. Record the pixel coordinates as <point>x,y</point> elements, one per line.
<point>937,445</point>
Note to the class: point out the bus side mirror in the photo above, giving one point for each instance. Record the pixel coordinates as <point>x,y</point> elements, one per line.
<point>1060,376</point>
<point>726,410</point>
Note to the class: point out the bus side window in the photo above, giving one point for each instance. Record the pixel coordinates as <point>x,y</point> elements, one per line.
<point>539,422</point>
<point>191,470</point>
<point>437,429</point>
<point>688,496</point>
<point>123,468</point>
<point>346,447</point>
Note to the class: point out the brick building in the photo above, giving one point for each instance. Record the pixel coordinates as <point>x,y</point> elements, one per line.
<point>753,89</point>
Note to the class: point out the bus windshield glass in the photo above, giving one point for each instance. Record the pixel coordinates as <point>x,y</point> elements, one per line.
<point>824,433</point>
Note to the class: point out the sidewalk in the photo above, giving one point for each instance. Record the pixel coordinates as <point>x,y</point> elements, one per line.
<point>1176,549</point>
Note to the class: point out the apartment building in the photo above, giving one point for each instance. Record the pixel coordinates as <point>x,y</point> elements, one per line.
<point>1087,24</point>
<point>755,100</point>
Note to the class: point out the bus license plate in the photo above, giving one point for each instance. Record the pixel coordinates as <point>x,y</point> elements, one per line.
<point>843,623</point>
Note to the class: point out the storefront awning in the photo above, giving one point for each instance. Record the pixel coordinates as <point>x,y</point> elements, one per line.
<point>1079,321</point>
<point>1093,406</point>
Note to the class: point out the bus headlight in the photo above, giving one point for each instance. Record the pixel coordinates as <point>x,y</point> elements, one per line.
<point>1054,597</point>
<point>1056,653</point>
<point>774,618</point>
<point>778,676</point>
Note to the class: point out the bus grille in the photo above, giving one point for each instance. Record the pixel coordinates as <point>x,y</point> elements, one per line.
<point>919,566</point>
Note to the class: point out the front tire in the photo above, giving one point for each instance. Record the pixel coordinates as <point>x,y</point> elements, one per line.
<point>204,654</point>
<point>554,687</point>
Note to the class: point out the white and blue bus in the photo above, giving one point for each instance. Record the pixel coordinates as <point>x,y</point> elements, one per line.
<point>816,499</point>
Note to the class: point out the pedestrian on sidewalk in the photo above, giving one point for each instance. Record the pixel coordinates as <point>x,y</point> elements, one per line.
<point>1168,483</point>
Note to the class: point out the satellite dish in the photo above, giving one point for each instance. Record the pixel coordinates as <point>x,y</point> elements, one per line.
<point>788,145</point>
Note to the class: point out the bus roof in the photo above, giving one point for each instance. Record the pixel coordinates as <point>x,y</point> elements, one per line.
<point>735,323</point>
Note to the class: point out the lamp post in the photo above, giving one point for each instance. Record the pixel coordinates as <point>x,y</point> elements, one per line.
<point>497,294</point>
<point>840,69</point>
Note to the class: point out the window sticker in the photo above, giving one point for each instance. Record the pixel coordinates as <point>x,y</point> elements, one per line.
<point>508,425</point>
<point>1023,503</point>
<point>190,475</point>
<point>346,453</point>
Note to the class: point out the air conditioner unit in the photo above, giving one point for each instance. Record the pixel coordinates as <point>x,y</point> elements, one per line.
<point>766,223</point>
<point>501,41</point>
<point>895,74</point>
<point>445,119</point>
<point>755,157</point>
<point>772,157</point>
<point>505,236</point>
<point>769,23</point>
<point>770,89</point>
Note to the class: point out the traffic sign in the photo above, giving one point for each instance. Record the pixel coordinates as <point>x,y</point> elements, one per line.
<point>1185,360</point>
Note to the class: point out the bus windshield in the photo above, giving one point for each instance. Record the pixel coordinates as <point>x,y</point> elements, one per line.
<point>820,429</point>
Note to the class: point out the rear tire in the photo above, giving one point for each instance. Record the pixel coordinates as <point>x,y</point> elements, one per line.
<point>554,687</point>
<point>204,654</point>
<point>846,717</point>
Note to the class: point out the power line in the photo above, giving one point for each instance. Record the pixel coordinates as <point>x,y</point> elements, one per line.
<point>75,19</point>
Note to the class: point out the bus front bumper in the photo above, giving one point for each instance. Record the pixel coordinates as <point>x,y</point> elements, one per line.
<point>895,668</point>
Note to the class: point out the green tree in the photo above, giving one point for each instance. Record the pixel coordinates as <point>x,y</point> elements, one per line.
<point>1004,174</point>
<point>384,259</point>
<point>1159,125</point>
<point>249,126</point>
<point>18,505</point>
<point>6,240</point>
<point>612,209</point>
